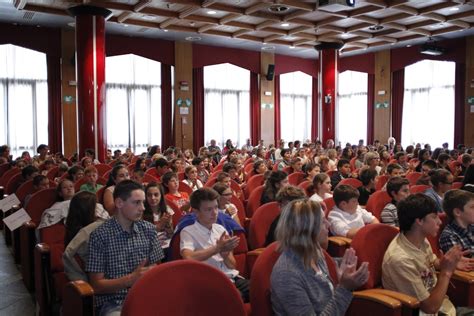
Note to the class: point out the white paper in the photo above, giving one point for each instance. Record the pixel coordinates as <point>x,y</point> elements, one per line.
<point>472,108</point>
<point>17,219</point>
<point>183,110</point>
<point>8,202</point>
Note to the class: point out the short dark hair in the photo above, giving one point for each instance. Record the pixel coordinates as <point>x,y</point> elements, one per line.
<point>289,193</point>
<point>124,189</point>
<point>228,166</point>
<point>28,171</point>
<point>37,179</point>
<point>466,158</point>
<point>221,176</point>
<point>443,157</point>
<point>393,166</point>
<point>342,162</point>
<point>415,206</point>
<point>438,176</point>
<point>202,194</point>
<point>429,163</point>
<point>399,154</point>
<point>167,177</point>
<point>41,147</point>
<point>367,174</point>
<point>161,162</point>
<point>395,184</point>
<point>455,199</point>
<point>196,161</point>
<point>343,193</point>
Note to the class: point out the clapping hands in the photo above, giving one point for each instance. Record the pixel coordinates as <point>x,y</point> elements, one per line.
<point>349,276</point>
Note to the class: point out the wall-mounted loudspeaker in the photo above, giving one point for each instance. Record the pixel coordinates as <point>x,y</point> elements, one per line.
<point>270,72</point>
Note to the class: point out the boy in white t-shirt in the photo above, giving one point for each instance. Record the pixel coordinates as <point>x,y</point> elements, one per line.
<point>347,217</point>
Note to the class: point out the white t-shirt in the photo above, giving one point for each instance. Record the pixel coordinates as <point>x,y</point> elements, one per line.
<point>315,197</point>
<point>341,222</point>
<point>197,237</point>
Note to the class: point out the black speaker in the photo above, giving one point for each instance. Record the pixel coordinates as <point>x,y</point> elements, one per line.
<point>270,72</point>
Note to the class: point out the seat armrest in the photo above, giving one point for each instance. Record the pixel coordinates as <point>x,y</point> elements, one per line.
<point>463,276</point>
<point>378,298</point>
<point>78,299</point>
<point>30,225</point>
<point>339,240</point>
<point>42,248</point>
<point>406,300</point>
<point>252,258</point>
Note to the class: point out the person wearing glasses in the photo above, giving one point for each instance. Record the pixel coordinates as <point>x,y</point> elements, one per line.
<point>441,180</point>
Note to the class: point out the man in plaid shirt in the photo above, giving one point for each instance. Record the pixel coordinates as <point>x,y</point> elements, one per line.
<point>459,208</point>
<point>122,249</point>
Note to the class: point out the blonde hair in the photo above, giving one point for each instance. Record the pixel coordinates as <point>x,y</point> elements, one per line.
<point>371,156</point>
<point>298,230</point>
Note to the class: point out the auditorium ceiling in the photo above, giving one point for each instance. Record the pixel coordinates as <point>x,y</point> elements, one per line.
<point>289,27</point>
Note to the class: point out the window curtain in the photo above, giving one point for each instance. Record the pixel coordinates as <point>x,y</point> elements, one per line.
<point>276,82</point>
<point>167,135</point>
<point>370,108</point>
<point>54,104</point>
<point>398,90</point>
<point>314,108</point>
<point>459,95</point>
<point>254,109</point>
<point>198,110</point>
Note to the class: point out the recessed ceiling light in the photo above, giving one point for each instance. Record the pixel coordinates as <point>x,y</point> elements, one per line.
<point>165,30</point>
<point>408,45</point>
<point>278,8</point>
<point>211,12</point>
<point>193,38</point>
<point>344,35</point>
<point>285,24</point>
<point>148,17</point>
<point>72,24</point>
<point>292,47</point>
<point>125,25</point>
<point>454,9</point>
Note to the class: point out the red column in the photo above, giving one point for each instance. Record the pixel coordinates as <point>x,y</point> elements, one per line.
<point>90,77</point>
<point>328,63</point>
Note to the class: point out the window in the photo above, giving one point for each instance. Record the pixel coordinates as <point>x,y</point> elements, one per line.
<point>133,102</point>
<point>428,103</point>
<point>226,104</point>
<point>295,106</point>
<point>351,108</point>
<point>23,99</point>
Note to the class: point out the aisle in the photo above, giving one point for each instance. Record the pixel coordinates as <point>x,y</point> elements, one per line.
<point>14,298</point>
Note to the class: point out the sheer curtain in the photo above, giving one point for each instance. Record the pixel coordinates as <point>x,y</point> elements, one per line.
<point>133,102</point>
<point>351,107</point>
<point>226,104</point>
<point>295,106</point>
<point>428,103</point>
<point>23,99</point>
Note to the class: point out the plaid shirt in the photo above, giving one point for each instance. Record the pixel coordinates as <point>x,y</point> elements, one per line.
<point>455,235</point>
<point>116,253</point>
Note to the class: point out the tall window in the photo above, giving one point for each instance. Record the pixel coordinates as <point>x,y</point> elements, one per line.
<point>351,110</point>
<point>23,99</point>
<point>428,103</point>
<point>226,104</point>
<point>295,106</point>
<point>133,102</point>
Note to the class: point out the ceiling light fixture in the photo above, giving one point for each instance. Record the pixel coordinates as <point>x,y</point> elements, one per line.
<point>278,8</point>
<point>211,12</point>
<point>292,47</point>
<point>375,27</point>
<point>454,9</point>
<point>285,24</point>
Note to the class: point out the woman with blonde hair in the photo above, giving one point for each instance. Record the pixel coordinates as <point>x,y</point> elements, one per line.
<point>300,281</point>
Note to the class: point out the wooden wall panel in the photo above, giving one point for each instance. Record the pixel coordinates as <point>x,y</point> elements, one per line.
<point>68,74</point>
<point>183,123</point>
<point>267,102</point>
<point>468,115</point>
<point>382,122</point>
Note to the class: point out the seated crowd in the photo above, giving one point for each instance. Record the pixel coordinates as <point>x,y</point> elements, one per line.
<point>123,215</point>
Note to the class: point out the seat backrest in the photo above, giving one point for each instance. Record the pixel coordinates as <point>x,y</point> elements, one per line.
<point>240,208</point>
<point>185,287</point>
<point>23,190</point>
<point>147,178</point>
<point>370,244</point>
<point>102,168</point>
<point>253,183</point>
<point>248,167</point>
<point>296,178</point>
<point>183,187</point>
<point>381,180</point>
<point>418,188</point>
<point>178,213</point>
<point>52,173</point>
<point>456,185</point>
<point>7,175</point>
<point>254,200</point>
<point>260,281</point>
<point>304,185</point>
<point>355,183</point>
<point>377,202</point>
<point>40,201</point>
<point>288,169</point>
<point>4,167</point>
<point>260,223</point>
<point>54,236</point>
<point>330,203</point>
<point>100,195</point>
<point>412,177</point>
<point>210,181</point>
<point>14,183</point>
